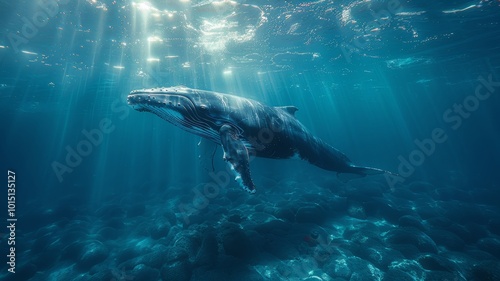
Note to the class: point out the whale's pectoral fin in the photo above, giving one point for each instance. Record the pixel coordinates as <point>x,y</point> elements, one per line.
<point>236,154</point>
<point>356,172</point>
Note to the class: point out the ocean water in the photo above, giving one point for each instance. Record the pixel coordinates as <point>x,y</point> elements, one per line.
<point>94,190</point>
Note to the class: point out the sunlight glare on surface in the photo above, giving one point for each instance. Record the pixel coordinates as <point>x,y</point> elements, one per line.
<point>153,39</point>
<point>144,6</point>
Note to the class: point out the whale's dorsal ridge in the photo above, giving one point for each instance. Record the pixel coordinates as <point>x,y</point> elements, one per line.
<point>289,109</point>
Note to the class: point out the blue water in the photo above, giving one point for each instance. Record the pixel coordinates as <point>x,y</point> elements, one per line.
<point>103,192</point>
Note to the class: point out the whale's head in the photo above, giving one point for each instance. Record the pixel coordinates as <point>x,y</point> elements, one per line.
<point>192,110</point>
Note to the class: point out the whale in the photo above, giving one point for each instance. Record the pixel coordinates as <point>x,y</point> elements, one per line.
<point>245,128</point>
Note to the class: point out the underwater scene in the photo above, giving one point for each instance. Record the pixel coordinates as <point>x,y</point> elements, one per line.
<point>248,140</point>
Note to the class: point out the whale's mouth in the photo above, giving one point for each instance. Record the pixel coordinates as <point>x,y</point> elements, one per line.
<point>134,102</point>
<point>161,97</point>
<point>175,107</point>
<point>136,106</point>
<point>169,107</point>
<point>138,100</point>
<point>139,108</point>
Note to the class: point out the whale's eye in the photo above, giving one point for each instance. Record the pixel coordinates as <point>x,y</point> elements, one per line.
<point>203,107</point>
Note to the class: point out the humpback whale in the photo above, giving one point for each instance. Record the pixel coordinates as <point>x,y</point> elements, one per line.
<point>244,128</point>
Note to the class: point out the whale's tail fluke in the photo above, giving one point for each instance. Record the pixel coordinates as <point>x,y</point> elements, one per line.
<point>356,172</point>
